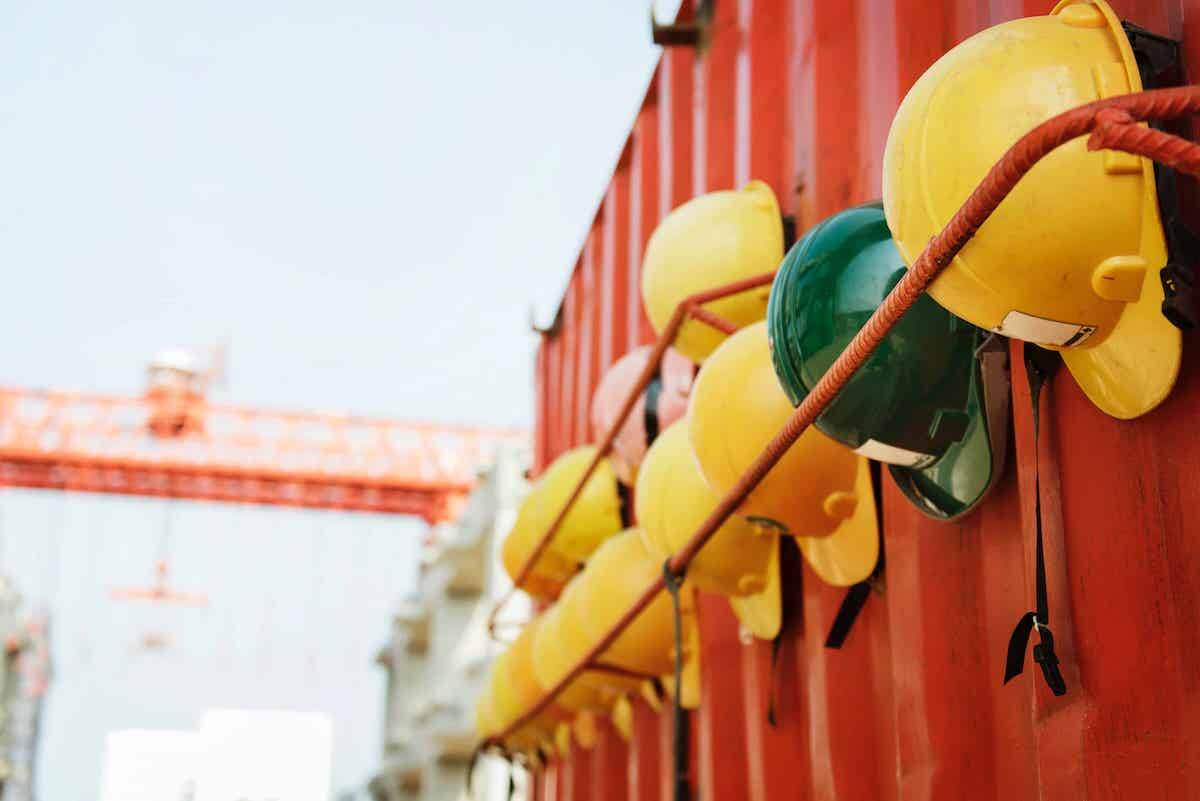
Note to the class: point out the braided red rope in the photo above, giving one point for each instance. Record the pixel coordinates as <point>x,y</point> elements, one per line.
<point>1117,131</point>
<point>712,320</point>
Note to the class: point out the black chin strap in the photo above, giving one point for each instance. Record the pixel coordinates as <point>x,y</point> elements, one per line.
<point>792,573</point>
<point>1040,365</point>
<point>650,408</point>
<point>625,500</point>
<point>683,790</point>
<point>650,421</point>
<point>776,646</point>
<point>852,605</point>
<point>856,597</point>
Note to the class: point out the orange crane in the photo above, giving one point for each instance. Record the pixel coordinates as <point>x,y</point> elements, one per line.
<point>160,591</point>
<point>172,442</point>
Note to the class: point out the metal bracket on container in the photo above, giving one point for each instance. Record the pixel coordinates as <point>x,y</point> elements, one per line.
<point>684,34</point>
<point>545,330</point>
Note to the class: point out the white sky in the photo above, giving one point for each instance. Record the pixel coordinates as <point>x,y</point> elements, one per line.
<point>148,764</point>
<point>365,198</point>
<point>299,603</point>
<point>233,754</point>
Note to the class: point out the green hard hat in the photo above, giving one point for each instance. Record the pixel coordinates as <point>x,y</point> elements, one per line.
<point>931,401</point>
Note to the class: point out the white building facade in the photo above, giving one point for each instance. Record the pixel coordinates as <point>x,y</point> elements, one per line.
<point>440,652</point>
<point>24,679</point>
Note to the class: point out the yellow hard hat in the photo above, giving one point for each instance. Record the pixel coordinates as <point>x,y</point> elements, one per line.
<point>708,242</point>
<point>551,572</point>
<point>485,715</point>
<point>815,490</point>
<point>499,712</point>
<point>1070,259</point>
<point>595,516</point>
<point>558,647</point>
<point>613,579</point>
<point>515,689</point>
<point>616,577</point>
<point>741,561</point>
<point>587,609</point>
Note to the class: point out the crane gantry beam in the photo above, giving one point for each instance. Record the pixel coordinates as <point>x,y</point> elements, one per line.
<point>178,445</point>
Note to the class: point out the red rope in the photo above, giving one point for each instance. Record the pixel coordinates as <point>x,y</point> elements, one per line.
<point>712,320</point>
<point>1116,129</point>
<point>1110,131</point>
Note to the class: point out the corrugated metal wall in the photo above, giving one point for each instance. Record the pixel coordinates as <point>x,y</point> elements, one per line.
<point>800,93</point>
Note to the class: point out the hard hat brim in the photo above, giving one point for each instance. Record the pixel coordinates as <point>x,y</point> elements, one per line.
<point>1134,368</point>
<point>954,485</point>
<point>762,613</point>
<point>849,554</point>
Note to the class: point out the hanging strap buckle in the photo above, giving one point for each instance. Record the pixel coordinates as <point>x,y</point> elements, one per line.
<point>1179,294</point>
<point>1043,654</point>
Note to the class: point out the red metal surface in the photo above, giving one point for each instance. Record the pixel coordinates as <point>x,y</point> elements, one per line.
<point>912,708</point>
<point>1164,104</point>
<point>610,760</point>
<point>89,442</point>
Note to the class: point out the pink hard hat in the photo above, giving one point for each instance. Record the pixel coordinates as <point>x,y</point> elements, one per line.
<point>667,394</point>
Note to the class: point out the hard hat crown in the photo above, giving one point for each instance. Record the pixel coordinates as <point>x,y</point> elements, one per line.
<point>737,406</point>
<point>819,491</point>
<point>740,561</point>
<point>550,573</point>
<point>708,242</point>
<point>511,694</point>
<point>558,646</point>
<point>485,718</point>
<point>672,499</point>
<point>615,576</point>
<point>595,516</point>
<point>596,513</point>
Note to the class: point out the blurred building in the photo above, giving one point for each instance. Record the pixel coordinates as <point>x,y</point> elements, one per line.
<point>440,651</point>
<point>24,679</point>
